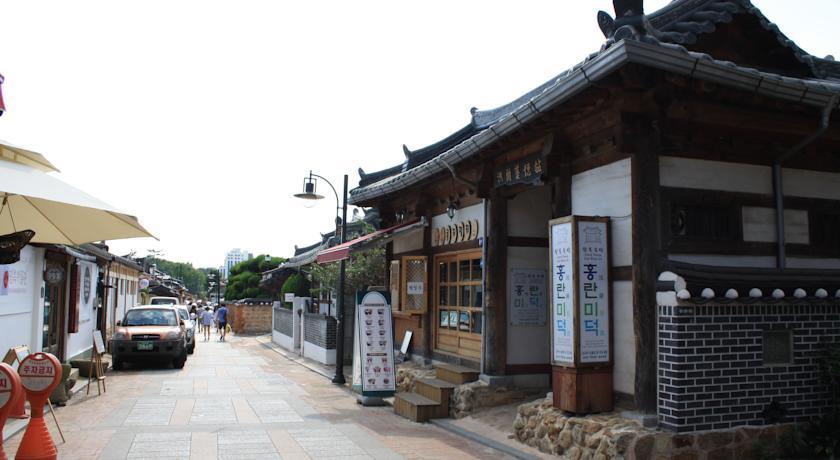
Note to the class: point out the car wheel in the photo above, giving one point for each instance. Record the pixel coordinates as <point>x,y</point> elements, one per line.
<point>116,364</point>
<point>191,349</point>
<point>179,363</point>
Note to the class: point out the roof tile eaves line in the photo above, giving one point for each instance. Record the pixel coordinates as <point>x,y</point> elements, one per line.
<point>604,62</point>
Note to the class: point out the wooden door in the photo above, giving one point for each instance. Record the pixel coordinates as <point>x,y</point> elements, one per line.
<point>53,326</point>
<point>458,301</point>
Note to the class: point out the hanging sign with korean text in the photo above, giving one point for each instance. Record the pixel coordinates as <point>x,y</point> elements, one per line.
<point>580,291</point>
<point>527,303</point>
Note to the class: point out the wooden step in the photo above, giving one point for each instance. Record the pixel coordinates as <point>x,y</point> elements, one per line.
<point>435,389</point>
<point>415,407</point>
<point>458,375</point>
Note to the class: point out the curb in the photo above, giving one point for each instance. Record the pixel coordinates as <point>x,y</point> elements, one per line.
<point>477,438</point>
<point>19,425</point>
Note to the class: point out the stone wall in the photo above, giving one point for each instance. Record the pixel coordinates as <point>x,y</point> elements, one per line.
<point>716,371</point>
<point>250,319</point>
<point>610,436</point>
<point>469,397</point>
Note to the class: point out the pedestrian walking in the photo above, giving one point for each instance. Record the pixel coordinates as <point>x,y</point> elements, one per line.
<point>221,315</point>
<point>206,321</point>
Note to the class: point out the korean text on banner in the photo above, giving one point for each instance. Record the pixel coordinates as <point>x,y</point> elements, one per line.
<point>563,293</point>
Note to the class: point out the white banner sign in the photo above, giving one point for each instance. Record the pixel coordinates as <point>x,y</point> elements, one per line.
<point>593,263</point>
<point>88,277</point>
<point>414,288</point>
<point>527,303</point>
<point>17,284</point>
<point>563,293</point>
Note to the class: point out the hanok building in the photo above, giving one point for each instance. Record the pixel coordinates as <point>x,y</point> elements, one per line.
<point>704,135</point>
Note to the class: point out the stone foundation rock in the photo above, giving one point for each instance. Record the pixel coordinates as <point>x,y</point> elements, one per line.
<point>408,373</point>
<point>610,436</point>
<point>469,397</point>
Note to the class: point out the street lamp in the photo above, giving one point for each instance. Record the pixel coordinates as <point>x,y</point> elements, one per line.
<point>218,284</point>
<point>310,193</point>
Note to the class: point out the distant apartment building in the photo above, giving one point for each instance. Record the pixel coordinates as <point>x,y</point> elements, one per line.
<point>233,257</point>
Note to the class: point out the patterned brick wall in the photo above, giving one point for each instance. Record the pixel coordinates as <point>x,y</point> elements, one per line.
<point>283,320</point>
<point>320,330</point>
<point>252,319</point>
<point>712,373</point>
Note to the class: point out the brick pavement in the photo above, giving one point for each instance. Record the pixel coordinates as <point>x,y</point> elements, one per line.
<point>241,400</point>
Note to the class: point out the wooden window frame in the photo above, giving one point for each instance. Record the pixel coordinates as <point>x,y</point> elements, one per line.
<point>404,264</point>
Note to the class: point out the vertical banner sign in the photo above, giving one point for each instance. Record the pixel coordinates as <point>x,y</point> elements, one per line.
<point>562,294</point>
<point>373,368</point>
<point>593,264</point>
<point>88,277</point>
<point>527,302</point>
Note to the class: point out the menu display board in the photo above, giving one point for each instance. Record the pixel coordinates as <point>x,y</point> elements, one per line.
<point>373,368</point>
<point>580,286</point>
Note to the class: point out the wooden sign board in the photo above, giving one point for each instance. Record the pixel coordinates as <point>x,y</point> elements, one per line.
<point>98,343</point>
<point>16,354</point>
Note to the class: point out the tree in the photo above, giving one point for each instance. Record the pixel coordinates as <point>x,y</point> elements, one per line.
<point>364,269</point>
<point>194,279</point>
<point>244,278</point>
<point>296,284</point>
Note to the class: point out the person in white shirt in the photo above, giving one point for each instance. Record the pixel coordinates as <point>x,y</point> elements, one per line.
<point>207,318</point>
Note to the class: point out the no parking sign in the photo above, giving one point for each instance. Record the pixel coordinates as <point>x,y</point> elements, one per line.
<point>39,374</point>
<point>10,392</point>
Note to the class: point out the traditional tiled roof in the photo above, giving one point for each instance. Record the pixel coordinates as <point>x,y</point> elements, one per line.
<point>679,23</point>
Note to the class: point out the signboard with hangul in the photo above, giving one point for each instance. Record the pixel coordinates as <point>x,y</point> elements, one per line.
<point>593,266</point>
<point>580,286</point>
<point>527,303</point>
<point>526,170</point>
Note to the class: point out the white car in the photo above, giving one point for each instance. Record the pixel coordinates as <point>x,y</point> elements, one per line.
<point>189,325</point>
<point>163,301</point>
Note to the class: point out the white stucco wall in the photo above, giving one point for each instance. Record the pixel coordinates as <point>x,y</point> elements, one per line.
<point>528,216</point>
<point>21,304</point>
<point>606,191</point>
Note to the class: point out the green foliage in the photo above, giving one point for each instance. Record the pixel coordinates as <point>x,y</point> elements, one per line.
<point>364,269</point>
<point>296,284</point>
<point>244,278</point>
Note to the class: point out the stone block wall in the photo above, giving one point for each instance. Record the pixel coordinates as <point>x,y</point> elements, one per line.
<point>283,320</point>
<point>320,330</point>
<point>250,319</point>
<point>714,370</point>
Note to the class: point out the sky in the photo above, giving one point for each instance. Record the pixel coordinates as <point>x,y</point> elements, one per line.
<point>201,117</point>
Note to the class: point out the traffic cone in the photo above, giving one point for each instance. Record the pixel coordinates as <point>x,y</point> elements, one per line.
<point>37,444</point>
<point>18,411</point>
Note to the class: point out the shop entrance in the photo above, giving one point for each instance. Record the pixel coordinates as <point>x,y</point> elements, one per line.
<point>53,326</point>
<point>458,300</point>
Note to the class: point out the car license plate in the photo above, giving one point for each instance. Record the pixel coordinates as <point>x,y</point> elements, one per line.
<point>141,346</point>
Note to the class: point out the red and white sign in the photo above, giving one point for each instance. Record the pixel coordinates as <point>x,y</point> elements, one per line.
<point>38,373</point>
<point>5,387</point>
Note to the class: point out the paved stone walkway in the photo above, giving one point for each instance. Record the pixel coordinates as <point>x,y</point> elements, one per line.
<point>240,400</point>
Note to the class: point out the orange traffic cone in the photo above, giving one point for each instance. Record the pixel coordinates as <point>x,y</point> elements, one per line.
<point>17,410</point>
<point>37,443</point>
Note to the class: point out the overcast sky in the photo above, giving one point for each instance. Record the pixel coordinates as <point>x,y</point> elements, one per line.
<point>202,117</point>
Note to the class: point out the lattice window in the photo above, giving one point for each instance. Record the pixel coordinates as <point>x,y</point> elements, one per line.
<point>413,283</point>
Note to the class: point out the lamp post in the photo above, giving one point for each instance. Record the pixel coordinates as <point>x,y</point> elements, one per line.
<point>309,193</point>
<point>218,283</point>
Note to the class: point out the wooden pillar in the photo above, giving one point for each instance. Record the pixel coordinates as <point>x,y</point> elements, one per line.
<point>558,159</point>
<point>495,266</point>
<point>645,144</point>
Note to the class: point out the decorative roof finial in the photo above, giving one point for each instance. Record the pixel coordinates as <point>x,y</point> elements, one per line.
<point>406,151</point>
<point>630,22</point>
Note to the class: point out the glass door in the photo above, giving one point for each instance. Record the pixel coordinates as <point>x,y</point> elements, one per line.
<point>458,301</point>
<point>51,329</point>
